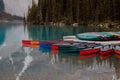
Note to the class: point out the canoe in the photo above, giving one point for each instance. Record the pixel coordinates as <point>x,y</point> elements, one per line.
<point>67,45</point>
<point>30,46</point>
<point>54,47</point>
<point>30,42</point>
<point>117,56</point>
<point>106,49</point>
<point>72,47</point>
<point>106,52</point>
<point>88,56</point>
<point>25,41</point>
<point>116,51</point>
<point>62,45</point>
<point>95,36</point>
<point>116,35</point>
<point>89,36</point>
<point>100,42</point>
<point>47,46</point>
<point>89,51</point>
<point>107,35</point>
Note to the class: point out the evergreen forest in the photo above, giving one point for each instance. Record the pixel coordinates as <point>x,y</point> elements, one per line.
<point>73,11</point>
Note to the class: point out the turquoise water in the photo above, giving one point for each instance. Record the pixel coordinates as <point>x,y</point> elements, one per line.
<point>24,63</point>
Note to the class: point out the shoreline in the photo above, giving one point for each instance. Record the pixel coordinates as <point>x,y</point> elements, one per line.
<point>12,21</point>
<point>108,24</point>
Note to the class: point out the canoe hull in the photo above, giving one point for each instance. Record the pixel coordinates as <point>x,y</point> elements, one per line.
<point>117,56</point>
<point>100,42</point>
<point>96,36</point>
<point>89,36</point>
<point>117,51</point>
<point>47,46</point>
<point>106,52</point>
<point>72,46</point>
<point>89,51</point>
<point>30,42</point>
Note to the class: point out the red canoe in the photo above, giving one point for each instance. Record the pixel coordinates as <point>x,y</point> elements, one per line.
<point>117,55</point>
<point>25,41</point>
<point>54,47</point>
<point>89,51</point>
<point>30,42</point>
<point>106,52</point>
<point>116,51</point>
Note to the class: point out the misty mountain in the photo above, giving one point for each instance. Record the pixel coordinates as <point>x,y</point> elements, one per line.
<point>8,17</point>
<point>14,9</point>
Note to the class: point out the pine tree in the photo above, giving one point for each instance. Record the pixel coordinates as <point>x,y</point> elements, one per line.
<point>70,11</point>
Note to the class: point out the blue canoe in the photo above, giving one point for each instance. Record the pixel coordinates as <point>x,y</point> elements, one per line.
<point>47,46</point>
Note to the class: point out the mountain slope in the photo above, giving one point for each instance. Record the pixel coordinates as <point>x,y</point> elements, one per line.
<point>8,17</point>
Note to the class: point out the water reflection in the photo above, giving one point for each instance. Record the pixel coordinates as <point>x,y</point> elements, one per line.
<point>11,59</point>
<point>96,64</point>
<point>55,32</point>
<point>27,61</point>
<point>2,34</point>
<point>0,57</point>
<point>19,63</point>
<point>12,33</point>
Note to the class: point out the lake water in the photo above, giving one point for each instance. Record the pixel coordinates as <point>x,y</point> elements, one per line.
<point>24,63</point>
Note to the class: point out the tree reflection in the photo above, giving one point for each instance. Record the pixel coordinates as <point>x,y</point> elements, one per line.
<point>2,34</point>
<point>55,32</point>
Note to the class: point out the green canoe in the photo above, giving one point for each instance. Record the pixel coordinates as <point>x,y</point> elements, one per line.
<point>71,50</point>
<point>95,36</point>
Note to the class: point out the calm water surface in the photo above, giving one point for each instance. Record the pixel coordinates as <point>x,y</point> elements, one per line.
<point>23,63</point>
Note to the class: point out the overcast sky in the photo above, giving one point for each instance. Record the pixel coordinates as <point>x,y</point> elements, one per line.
<point>17,7</point>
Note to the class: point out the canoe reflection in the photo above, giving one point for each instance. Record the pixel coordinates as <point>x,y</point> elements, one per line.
<point>104,57</point>
<point>82,57</point>
<point>54,51</point>
<point>45,50</point>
